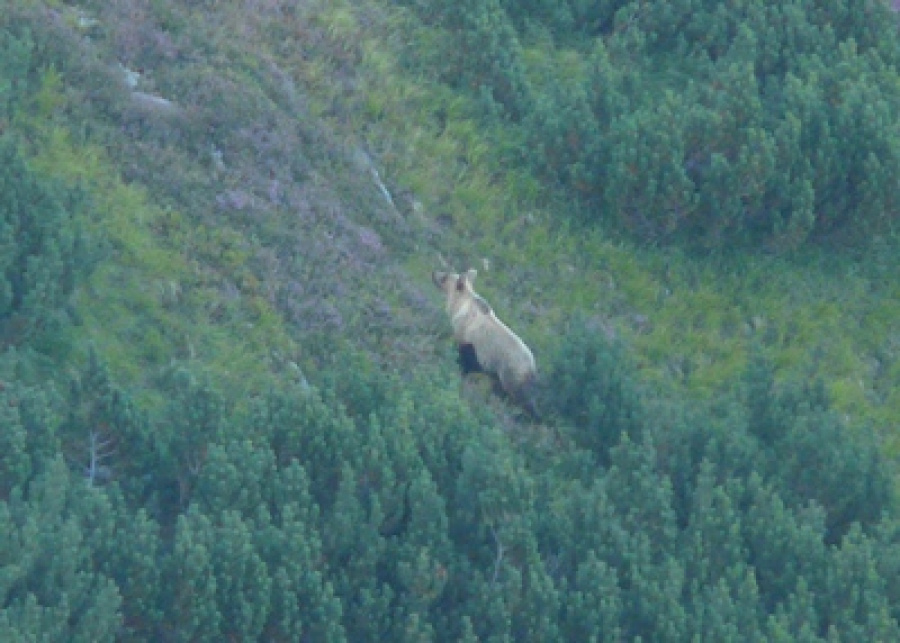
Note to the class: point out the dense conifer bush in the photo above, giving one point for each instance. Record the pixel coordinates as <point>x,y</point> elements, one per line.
<point>751,122</point>
<point>40,247</point>
<point>415,520</point>
<point>594,390</point>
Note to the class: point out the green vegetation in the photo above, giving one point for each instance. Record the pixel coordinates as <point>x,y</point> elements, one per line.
<point>766,123</point>
<point>228,397</point>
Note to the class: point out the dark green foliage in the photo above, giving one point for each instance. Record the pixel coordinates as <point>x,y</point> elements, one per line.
<point>593,389</point>
<point>15,61</point>
<point>743,130</point>
<point>52,539</point>
<point>28,435</point>
<point>40,248</point>
<point>765,418</point>
<point>814,454</point>
<point>15,460</point>
<point>698,121</point>
<point>822,461</point>
<point>594,607</point>
<point>486,58</point>
<point>743,518</point>
<point>759,519</point>
<point>854,600</point>
<point>564,125</point>
<point>104,436</point>
<point>194,419</point>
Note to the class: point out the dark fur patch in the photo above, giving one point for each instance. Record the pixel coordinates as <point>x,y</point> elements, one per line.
<point>528,397</point>
<point>483,306</point>
<point>468,360</point>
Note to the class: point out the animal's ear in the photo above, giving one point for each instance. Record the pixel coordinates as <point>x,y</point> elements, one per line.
<point>470,275</point>
<point>439,278</point>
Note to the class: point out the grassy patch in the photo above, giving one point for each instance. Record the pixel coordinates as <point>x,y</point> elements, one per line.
<point>149,305</point>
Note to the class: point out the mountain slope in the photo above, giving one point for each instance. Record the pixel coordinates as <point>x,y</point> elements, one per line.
<point>296,167</point>
<point>244,420</point>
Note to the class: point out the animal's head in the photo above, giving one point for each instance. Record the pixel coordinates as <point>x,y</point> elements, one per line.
<point>456,288</point>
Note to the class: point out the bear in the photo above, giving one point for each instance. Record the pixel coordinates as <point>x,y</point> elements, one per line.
<point>484,342</point>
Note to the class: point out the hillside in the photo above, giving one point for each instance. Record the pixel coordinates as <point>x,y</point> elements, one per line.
<point>233,406</point>
<point>261,184</point>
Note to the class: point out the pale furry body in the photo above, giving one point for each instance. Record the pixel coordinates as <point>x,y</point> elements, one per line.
<point>497,348</point>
